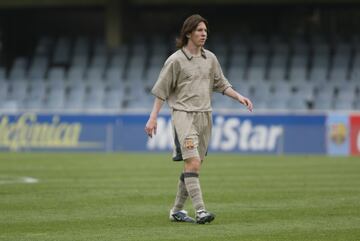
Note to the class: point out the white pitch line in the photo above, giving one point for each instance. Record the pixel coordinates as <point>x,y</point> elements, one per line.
<point>14,180</point>
<point>30,180</point>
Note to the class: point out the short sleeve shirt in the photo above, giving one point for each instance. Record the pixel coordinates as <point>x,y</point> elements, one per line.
<point>187,82</point>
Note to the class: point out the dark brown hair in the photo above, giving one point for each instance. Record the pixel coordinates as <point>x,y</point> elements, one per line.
<point>189,25</point>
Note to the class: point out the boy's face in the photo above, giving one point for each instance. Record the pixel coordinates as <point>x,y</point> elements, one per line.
<point>199,35</point>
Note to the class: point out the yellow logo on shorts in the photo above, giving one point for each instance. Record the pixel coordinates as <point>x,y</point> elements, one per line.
<point>189,144</point>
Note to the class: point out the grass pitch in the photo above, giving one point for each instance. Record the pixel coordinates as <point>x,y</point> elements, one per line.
<point>85,197</point>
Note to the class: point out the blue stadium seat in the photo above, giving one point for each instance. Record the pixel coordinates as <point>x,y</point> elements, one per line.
<point>43,47</point>
<point>3,90</point>
<point>256,73</point>
<point>277,73</point>
<point>117,61</point>
<point>17,73</point>
<point>113,99</point>
<point>81,46</point>
<point>19,91</point>
<point>79,61</point>
<point>33,104</point>
<point>37,89</point>
<point>98,61</point>
<point>2,74</point>
<point>277,102</point>
<point>10,105</point>
<point>56,73</point>
<point>76,73</point>
<point>75,99</point>
<point>297,101</point>
<point>62,51</point>
<point>95,73</point>
<point>344,104</point>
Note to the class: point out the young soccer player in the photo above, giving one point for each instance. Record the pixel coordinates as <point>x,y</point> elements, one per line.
<point>186,82</point>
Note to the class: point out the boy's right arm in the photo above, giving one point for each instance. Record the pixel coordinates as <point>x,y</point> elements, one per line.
<point>151,124</point>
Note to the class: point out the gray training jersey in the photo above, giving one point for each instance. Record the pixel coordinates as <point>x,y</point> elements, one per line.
<point>187,82</point>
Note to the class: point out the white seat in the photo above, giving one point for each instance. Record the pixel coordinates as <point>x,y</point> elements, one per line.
<point>346,94</point>
<point>10,105</point>
<point>79,61</point>
<point>282,88</point>
<point>19,90</point>
<point>318,73</point>
<point>93,104</point>
<point>298,73</point>
<point>299,60</point>
<point>75,73</point>
<point>259,60</point>
<point>344,104</point>
<point>57,73</point>
<point>43,46</point>
<point>17,73</point>
<point>256,73</point>
<point>57,83</point>
<point>118,61</point>
<point>323,100</point>
<point>306,89</point>
<point>357,104</point>
<point>33,104</point>
<point>55,99</point>
<point>222,102</point>
<point>243,87</point>
<point>20,62</point>
<point>297,102</point>
<point>81,46</point>
<point>153,73</point>
<point>95,84</point>
<point>338,73</point>
<point>238,60</point>
<point>95,73</point>
<point>36,73</point>
<point>114,74</point>
<point>113,99</point>
<point>2,74</point>
<point>62,51</point>
<point>94,99</point>
<point>4,89</point>
<point>323,105</point>
<point>279,60</point>
<point>235,73</point>
<point>261,93</point>
<point>75,99</point>
<point>145,102</point>
<point>37,89</point>
<point>277,102</point>
<point>277,73</point>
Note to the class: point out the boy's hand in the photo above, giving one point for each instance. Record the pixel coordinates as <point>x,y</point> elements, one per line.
<point>247,102</point>
<point>150,127</point>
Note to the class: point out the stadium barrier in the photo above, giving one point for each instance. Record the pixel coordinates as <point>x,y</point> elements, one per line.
<point>332,134</point>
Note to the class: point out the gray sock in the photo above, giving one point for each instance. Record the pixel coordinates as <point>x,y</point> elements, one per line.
<point>192,184</point>
<point>181,195</point>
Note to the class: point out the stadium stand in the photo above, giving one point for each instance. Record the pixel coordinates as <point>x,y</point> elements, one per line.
<point>82,74</point>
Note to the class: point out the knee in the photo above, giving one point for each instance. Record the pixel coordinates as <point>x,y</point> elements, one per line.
<point>192,165</point>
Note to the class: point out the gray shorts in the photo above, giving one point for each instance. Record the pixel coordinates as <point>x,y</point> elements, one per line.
<point>191,131</point>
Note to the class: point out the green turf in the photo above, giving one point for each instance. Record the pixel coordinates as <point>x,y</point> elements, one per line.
<point>85,197</point>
